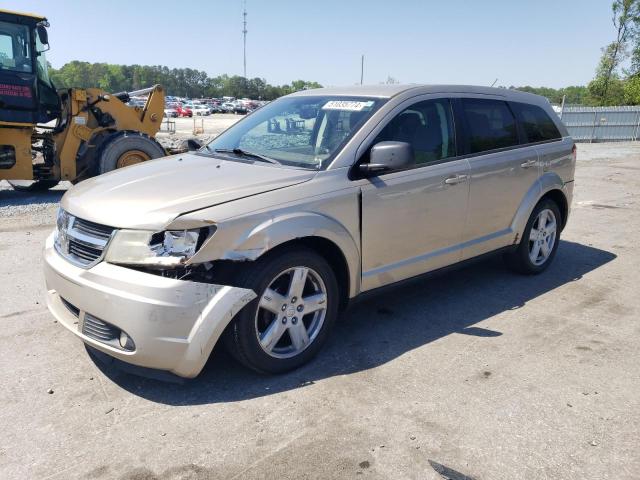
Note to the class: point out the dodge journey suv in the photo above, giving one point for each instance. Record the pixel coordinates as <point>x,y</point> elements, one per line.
<point>258,239</point>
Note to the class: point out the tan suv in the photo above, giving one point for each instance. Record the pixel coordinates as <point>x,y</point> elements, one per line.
<point>261,237</point>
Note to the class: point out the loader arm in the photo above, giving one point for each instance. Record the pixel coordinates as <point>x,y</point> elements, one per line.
<point>94,114</point>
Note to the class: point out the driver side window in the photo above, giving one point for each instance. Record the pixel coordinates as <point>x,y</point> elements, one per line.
<point>427,126</point>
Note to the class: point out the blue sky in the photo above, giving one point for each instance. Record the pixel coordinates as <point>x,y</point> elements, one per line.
<point>520,42</point>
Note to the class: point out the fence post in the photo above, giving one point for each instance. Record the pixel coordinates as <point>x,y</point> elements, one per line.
<point>593,130</point>
<point>562,106</point>
<point>635,132</point>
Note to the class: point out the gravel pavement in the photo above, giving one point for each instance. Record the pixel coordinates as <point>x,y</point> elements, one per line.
<point>479,374</point>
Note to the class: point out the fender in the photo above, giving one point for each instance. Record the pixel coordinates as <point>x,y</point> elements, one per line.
<point>547,182</point>
<point>256,240</point>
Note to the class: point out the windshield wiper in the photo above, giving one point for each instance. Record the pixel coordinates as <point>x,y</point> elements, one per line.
<point>245,153</point>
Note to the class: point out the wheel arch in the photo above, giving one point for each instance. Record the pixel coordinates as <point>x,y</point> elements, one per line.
<point>328,250</point>
<point>551,186</point>
<point>560,199</point>
<point>249,242</point>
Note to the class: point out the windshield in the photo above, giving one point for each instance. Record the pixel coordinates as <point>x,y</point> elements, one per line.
<point>15,48</point>
<point>305,131</point>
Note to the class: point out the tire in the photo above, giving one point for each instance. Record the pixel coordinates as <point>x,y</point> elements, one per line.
<point>276,270</point>
<point>521,259</point>
<point>139,146</point>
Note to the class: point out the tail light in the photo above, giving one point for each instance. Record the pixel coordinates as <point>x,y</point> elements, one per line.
<point>574,152</point>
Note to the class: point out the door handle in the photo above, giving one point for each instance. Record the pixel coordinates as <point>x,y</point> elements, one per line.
<point>529,163</point>
<point>455,179</point>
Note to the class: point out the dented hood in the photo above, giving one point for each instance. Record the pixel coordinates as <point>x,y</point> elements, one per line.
<point>150,195</point>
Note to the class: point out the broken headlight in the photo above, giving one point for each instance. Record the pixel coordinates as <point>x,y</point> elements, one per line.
<point>167,249</point>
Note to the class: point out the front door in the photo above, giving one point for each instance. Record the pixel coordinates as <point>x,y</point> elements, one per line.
<point>413,220</point>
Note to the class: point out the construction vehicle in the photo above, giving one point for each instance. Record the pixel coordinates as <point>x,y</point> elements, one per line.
<point>49,135</point>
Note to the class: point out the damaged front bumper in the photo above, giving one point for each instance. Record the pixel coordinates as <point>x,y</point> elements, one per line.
<point>173,324</point>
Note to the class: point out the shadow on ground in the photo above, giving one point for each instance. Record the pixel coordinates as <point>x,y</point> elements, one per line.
<point>17,198</point>
<point>383,328</point>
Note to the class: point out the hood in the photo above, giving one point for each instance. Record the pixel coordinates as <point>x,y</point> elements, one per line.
<point>153,193</point>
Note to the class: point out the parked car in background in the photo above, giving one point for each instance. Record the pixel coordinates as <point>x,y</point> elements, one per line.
<point>259,243</point>
<point>200,110</point>
<point>170,112</point>
<point>228,107</point>
<point>240,108</point>
<point>184,111</point>
<point>214,107</point>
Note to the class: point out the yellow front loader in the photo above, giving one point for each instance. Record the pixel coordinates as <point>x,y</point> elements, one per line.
<point>49,135</point>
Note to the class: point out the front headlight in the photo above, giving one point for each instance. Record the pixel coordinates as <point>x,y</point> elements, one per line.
<point>59,234</point>
<point>165,249</point>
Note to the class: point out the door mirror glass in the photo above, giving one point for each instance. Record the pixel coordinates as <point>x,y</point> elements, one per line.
<point>43,36</point>
<point>387,156</point>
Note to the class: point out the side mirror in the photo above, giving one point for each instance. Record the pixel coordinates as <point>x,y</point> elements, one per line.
<point>190,145</point>
<point>387,156</point>
<point>43,36</point>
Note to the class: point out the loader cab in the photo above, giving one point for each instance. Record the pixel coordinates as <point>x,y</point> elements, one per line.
<point>27,95</point>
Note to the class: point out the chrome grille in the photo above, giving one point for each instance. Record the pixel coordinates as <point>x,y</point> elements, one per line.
<point>80,241</point>
<point>84,252</point>
<point>98,330</point>
<point>92,229</point>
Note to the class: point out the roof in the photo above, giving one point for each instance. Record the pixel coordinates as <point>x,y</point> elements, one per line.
<point>388,91</point>
<point>22,14</point>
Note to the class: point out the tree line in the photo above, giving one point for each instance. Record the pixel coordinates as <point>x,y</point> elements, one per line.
<point>617,78</point>
<point>182,82</point>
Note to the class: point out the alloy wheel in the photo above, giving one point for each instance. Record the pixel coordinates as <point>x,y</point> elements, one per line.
<point>542,237</point>
<point>291,312</point>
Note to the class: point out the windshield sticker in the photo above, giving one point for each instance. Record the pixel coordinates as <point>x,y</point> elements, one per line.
<point>347,105</point>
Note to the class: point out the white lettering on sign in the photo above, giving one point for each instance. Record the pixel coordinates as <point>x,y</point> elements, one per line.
<point>348,105</point>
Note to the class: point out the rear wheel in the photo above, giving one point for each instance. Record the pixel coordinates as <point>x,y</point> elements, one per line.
<point>289,321</point>
<point>126,149</point>
<point>540,240</point>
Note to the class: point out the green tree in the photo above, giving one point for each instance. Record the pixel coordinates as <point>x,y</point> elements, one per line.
<point>606,88</point>
<point>183,82</point>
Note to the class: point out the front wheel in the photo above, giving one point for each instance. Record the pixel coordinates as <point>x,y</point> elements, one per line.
<point>289,321</point>
<point>540,240</point>
<point>124,149</point>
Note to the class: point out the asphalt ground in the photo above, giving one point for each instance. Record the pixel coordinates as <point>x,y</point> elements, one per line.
<point>479,374</point>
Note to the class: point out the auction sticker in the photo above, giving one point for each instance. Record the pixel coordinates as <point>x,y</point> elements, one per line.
<point>348,105</point>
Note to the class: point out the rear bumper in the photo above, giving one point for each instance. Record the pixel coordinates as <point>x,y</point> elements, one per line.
<point>173,323</point>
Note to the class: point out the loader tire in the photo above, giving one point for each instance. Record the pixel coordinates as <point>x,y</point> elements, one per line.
<point>127,148</point>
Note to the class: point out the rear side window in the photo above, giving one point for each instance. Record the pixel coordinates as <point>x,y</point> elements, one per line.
<point>536,123</point>
<point>490,124</point>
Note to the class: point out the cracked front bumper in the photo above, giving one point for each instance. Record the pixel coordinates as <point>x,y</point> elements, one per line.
<point>173,323</point>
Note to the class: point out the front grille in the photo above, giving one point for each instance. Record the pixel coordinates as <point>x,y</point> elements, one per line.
<point>92,229</point>
<point>80,241</point>
<point>98,330</point>
<point>84,252</point>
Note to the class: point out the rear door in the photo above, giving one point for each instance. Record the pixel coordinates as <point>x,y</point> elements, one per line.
<point>540,130</point>
<point>501,172</point>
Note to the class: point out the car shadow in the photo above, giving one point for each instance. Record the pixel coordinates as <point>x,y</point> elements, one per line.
<point>17,198</point>
<point>382,328</point>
